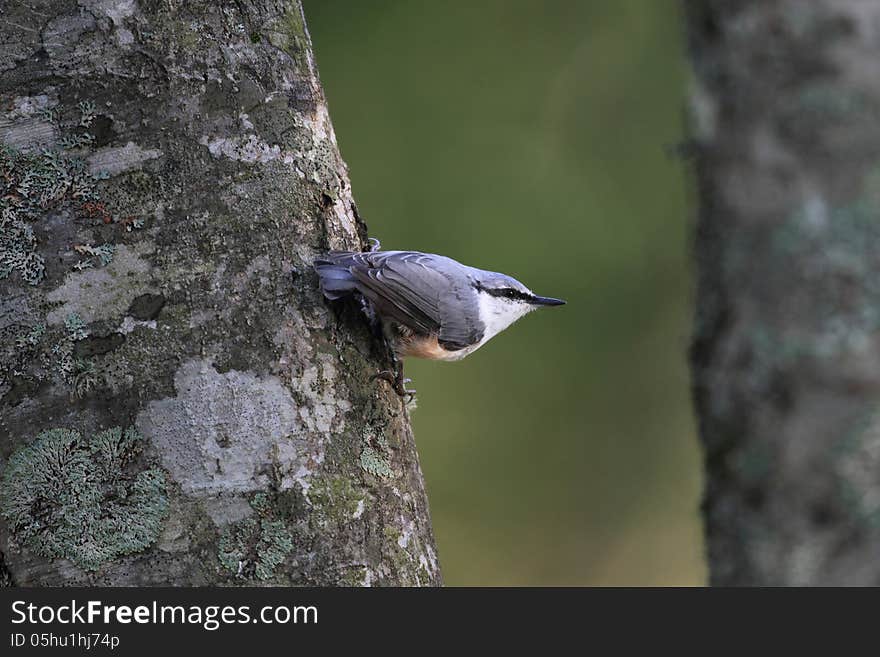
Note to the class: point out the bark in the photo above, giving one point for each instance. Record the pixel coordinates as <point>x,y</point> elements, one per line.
<point>179,404</point>
<point>786,355</point>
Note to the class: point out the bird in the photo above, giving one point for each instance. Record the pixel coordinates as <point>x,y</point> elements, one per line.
<point>427,305</point>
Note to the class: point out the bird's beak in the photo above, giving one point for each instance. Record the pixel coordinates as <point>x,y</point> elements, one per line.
<point>546,301</point>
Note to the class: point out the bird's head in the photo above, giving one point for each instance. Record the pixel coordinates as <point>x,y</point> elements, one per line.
<point>503,300</point>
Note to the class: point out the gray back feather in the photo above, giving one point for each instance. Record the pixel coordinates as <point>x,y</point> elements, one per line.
<point>429,293</point>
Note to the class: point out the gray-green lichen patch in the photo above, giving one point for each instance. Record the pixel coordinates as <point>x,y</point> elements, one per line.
<point>44,181</point>
<point>18,246</point>
<point>42,353</point>
<point>256,546</point>
<point>105,292</point>
<point>95,255</point>
<point>30,186</point>
<point>335,497</point>
<point>46,354</point>
<point>62,362</point>
<point>85,500</point>
<point>20,344</point>
<point>374,454</point>
<point>236,431</point>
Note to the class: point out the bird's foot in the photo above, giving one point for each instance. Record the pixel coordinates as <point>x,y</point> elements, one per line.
<point>385,375</point>
<point>397,383</point>
<point>375,244</point>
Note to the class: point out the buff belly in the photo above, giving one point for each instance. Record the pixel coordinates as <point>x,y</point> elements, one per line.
<point>419,346</point>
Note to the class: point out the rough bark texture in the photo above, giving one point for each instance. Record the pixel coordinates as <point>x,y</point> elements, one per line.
<point>179,405</point>
<point>786,357</point>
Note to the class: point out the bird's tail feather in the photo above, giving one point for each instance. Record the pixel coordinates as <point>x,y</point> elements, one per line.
<point>335,277</point>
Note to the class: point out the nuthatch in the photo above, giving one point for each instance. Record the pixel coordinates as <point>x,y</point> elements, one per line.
<point>429,306</point>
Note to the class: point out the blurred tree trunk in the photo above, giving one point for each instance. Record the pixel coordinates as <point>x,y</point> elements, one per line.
<point>786,356</point>
<point>178,405</point>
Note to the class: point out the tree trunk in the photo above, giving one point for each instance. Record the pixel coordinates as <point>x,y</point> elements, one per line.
<point>786,356</point>
<point>179,404</point>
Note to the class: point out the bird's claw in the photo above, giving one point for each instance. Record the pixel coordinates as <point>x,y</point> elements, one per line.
<point>397,383</point>
<point>385,375</point>
<point>403,391</point>
<point>375,244</point>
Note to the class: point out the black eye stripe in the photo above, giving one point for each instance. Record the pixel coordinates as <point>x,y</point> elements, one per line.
<point>506,292</point>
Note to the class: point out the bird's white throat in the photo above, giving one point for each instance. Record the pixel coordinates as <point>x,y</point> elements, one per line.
<point>497,313</point>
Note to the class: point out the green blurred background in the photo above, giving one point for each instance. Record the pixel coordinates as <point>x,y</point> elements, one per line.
<point>530,137</point>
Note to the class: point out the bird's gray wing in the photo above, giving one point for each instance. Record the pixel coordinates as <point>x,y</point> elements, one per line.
<point>426,292</point>
<point>459,307</point>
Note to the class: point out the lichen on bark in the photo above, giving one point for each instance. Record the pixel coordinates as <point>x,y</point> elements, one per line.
<point>81,499</point>
<point>199,176</point>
